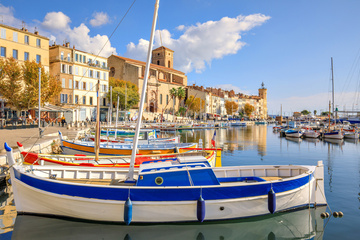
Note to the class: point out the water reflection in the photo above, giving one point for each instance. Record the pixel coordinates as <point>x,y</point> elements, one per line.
<point>304,224</point>
<point>232,139</point>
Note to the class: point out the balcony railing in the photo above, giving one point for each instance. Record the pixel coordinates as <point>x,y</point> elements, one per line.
<point>58,58</point>
<point>98,66</point>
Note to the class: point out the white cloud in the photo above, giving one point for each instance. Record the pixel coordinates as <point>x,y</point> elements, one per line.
<point>7,16</point>
<point>58,27</point>
<point>100,18</point>
<point>232,87</point>
<point>319,102</point>
<point>201,43</point>
<point>56,21</point>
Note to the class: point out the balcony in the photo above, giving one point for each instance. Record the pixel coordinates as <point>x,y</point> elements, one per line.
<point>63,59</point>
<point>98,66</point>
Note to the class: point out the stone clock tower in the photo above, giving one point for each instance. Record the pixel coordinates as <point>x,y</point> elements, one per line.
<point>263,96</point>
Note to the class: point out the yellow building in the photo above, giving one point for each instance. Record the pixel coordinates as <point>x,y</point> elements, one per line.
<point>161,78</point>
<point>79,73</point>
<point>22,45</point>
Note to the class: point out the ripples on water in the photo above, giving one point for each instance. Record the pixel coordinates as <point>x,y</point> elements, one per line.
<point>253,145</point>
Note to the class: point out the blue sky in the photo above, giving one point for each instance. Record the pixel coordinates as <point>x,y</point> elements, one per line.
<point>233,44</point>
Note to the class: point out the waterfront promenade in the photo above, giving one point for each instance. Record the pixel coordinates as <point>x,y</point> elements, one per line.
<point>29,137</point>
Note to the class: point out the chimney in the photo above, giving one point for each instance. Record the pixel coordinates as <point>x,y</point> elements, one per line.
<point>67,44</point>
<point>73,46</point>
<point>36,33</point>
<point>26,30</point>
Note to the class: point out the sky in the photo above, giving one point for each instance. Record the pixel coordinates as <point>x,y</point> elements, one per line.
<point>232,44</point>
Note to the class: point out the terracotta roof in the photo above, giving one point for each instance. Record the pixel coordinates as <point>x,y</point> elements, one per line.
<point>162,47</point>
<point>151,65</point>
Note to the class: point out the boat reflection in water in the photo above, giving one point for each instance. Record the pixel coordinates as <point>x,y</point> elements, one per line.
<point>301,224</point>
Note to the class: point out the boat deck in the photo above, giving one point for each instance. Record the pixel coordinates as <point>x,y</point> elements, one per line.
<point>120,182</point>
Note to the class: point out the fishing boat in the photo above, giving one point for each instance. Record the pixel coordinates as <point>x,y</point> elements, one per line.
<point>351,133</point>
<point>165,191</point>
<point>238,124</point>
<point>162,192</point>
<point>147,137</point>
<point>309,133</point>
<point>110,148</point>
<point>333,134</point>
<point>212,155</point>
<point>294,133</point>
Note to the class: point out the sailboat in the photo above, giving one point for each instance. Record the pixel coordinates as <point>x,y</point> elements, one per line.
<point>335,133</point>
<point>161,192</point>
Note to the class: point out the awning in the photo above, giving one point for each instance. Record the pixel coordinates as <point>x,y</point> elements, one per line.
<point>53,108</point>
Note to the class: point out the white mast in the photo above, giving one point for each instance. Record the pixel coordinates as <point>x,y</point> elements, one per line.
<point>130,176</point>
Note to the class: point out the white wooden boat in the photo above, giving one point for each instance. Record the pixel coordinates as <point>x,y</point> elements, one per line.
<point>335,134</point>
<point>294,133</point>
<point>108,148</point>
<point>165,192</point>
<point>311,133</point>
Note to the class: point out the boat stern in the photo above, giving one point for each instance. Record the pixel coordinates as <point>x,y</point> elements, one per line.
<point>319,195</point>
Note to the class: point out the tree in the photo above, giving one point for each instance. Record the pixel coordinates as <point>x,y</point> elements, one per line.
<point>315,112</point>
<point>11,83</point>
<point>231,107</point>
<point>324,113</point>
<point>305,112</point>
<point>118,89</point>
<point>180,94</point>
<point>248,109</point>
<point>195,104</point>
<point>19,85</point>
<point>50,85</point>
<point>173,94</point>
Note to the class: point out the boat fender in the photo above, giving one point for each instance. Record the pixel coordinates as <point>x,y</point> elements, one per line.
<point>200,211</point>
<point>128,211</point>
<point>271,201</point>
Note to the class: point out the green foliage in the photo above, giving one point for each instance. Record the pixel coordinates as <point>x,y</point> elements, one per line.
<point>315,112</point>
<point>305,112</point>
<point>132,94</point>
<point>324,113</point>
<point>19,85</point>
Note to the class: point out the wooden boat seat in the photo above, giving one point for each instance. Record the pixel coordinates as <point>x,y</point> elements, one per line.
<point>271,178</point>
<point>97,181</point>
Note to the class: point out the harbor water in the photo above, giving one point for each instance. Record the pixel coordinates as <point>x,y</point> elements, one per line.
<point>252,145</point>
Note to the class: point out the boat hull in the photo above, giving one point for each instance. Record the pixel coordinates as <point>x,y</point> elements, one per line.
<point>72,148</point>
<point>37,195</point>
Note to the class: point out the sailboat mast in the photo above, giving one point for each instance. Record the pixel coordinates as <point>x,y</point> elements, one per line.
<point>332,78</point>
<point>130,176</point>
<point>97,129</point>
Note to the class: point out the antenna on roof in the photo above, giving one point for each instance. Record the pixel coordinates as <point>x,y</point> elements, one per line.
<point>23,24</point>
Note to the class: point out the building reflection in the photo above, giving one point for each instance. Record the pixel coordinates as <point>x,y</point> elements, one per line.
<point>231,139</point>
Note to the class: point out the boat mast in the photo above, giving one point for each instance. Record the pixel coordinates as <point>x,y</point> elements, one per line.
<point>97,129</point>
<point>332,79</point>
<point>130,176</point>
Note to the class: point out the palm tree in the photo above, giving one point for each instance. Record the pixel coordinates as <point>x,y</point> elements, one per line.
<point>173,94</point>
<point>180,94</point>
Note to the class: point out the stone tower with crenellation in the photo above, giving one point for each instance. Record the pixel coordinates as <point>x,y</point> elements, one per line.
<point>163,56</point>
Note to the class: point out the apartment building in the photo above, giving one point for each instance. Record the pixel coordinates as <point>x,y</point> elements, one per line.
<point>22,45</point>
<point>79,73</point>
<point>215,99</point>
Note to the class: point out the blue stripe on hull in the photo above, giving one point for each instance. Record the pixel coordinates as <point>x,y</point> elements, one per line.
<point>158,194</point>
